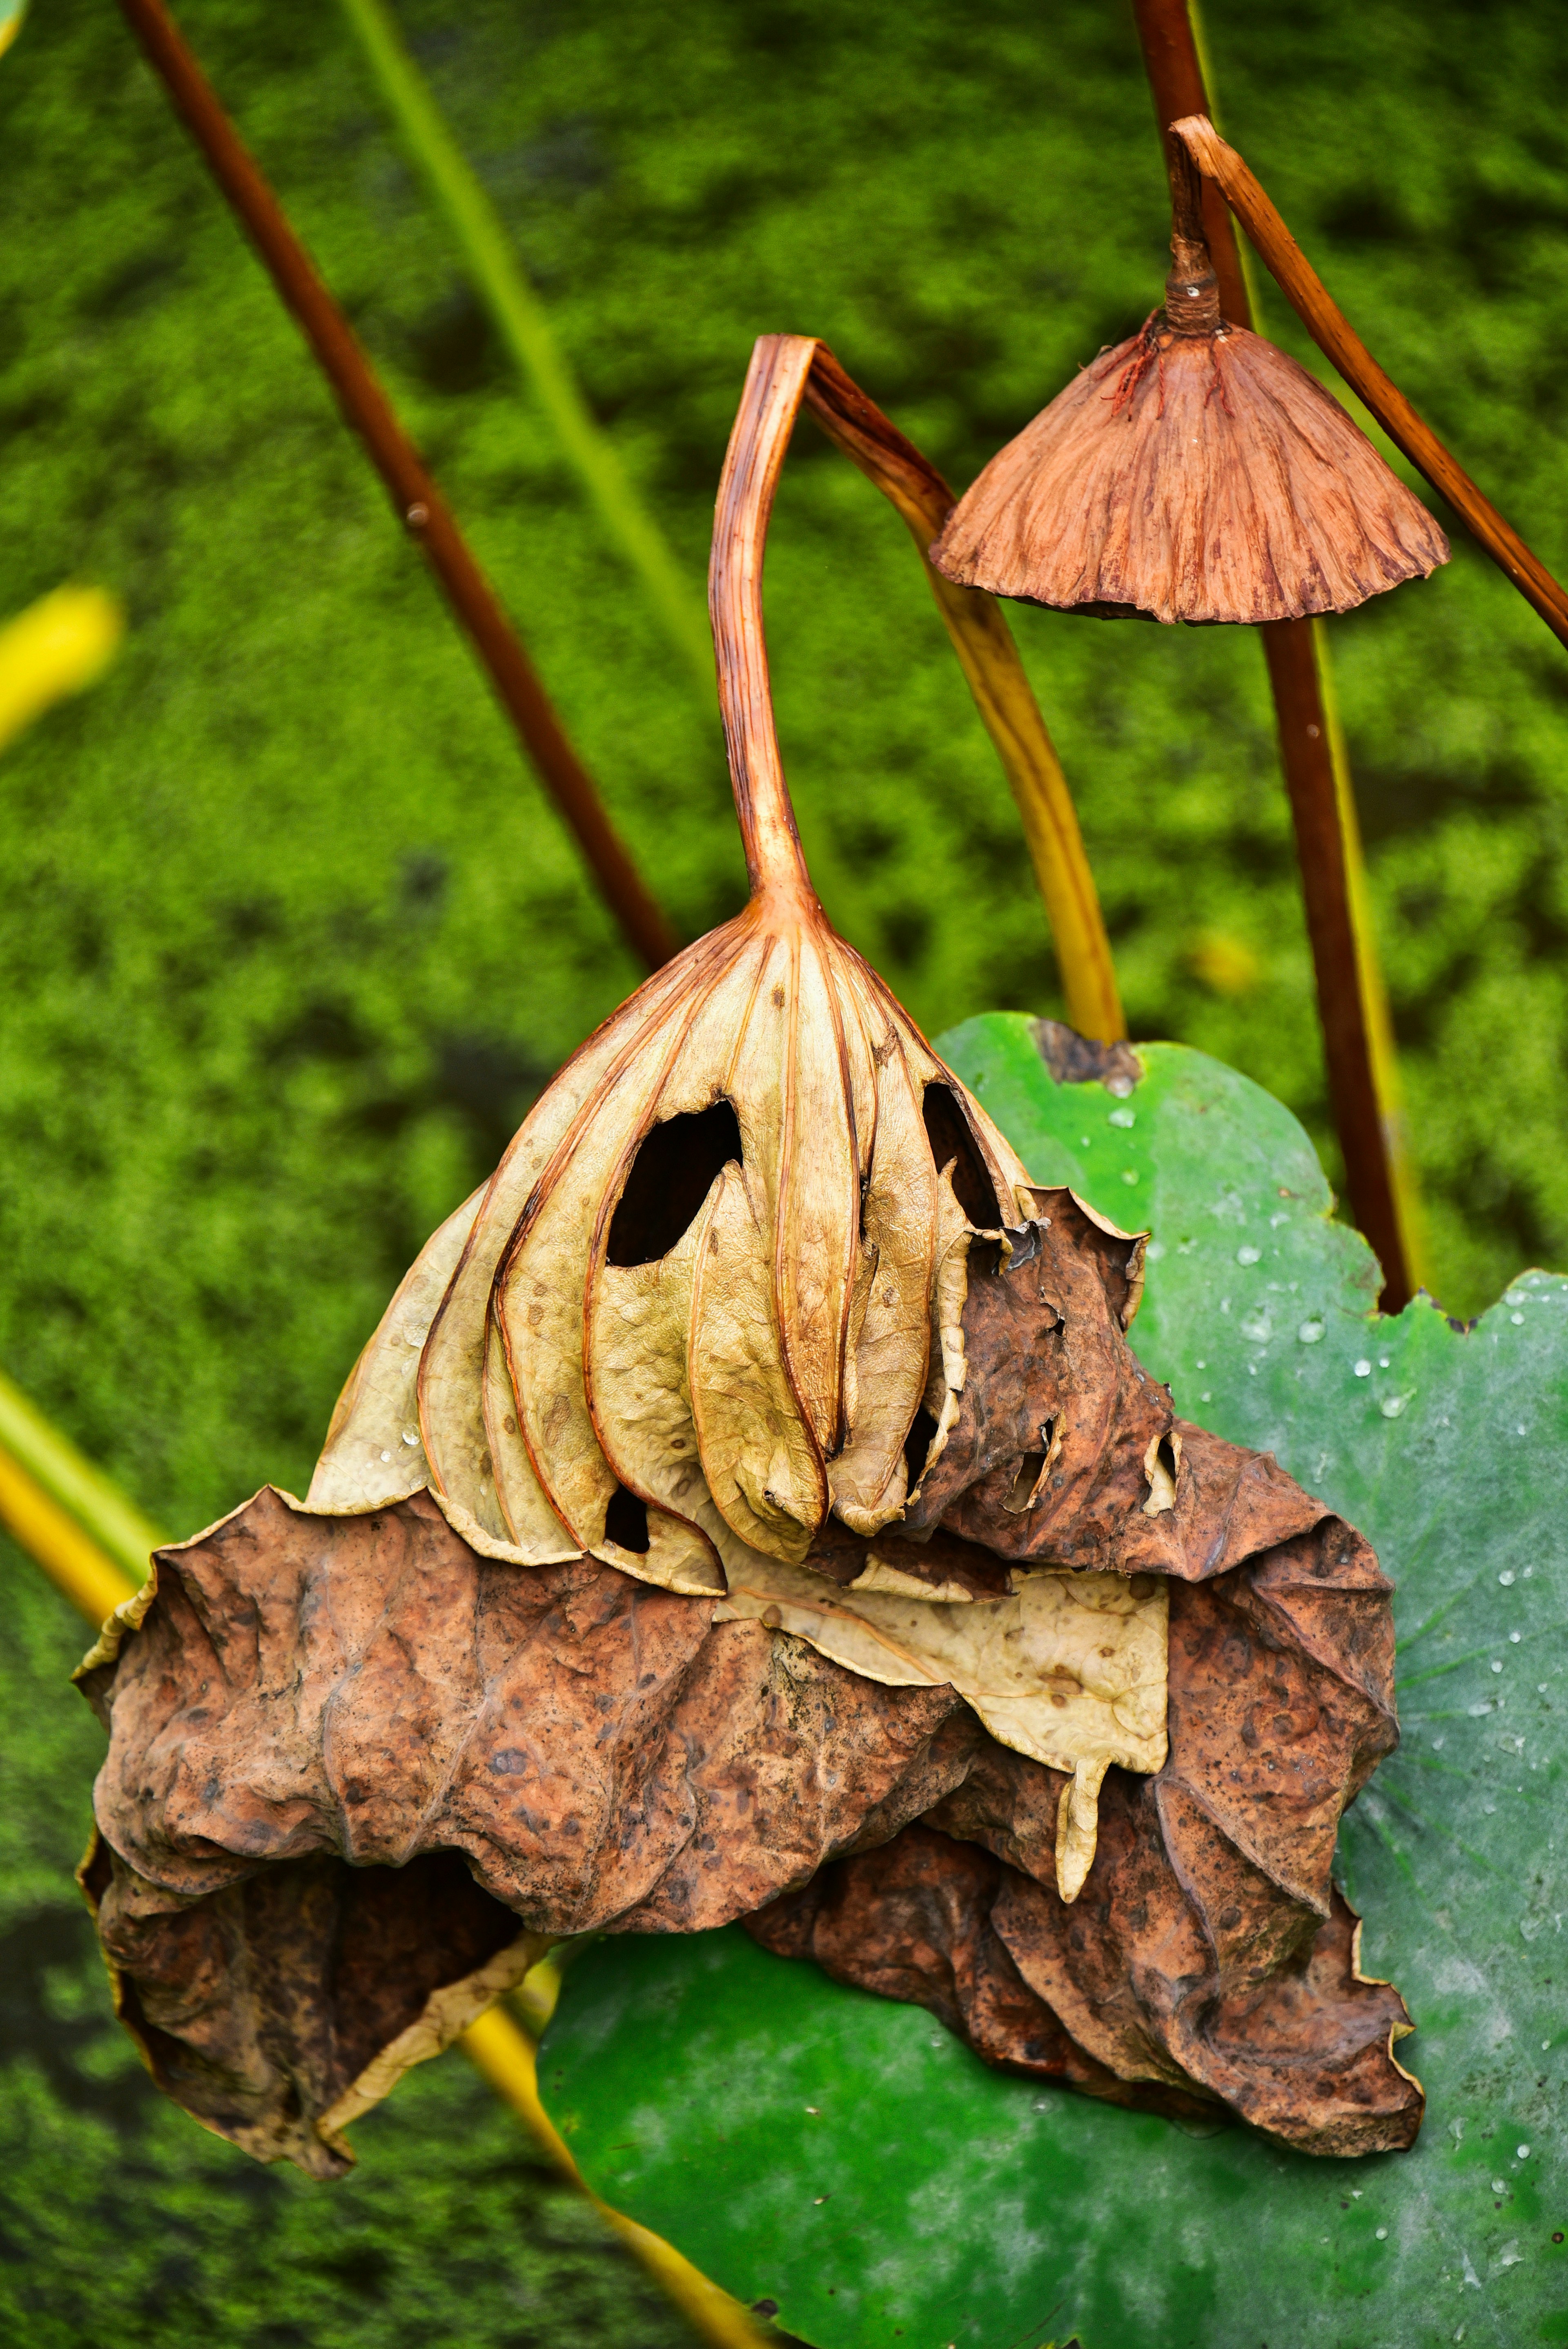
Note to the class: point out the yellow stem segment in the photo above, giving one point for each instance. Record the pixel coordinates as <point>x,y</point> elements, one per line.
<point>504,2053</point>
<point>73,1561</point>
<point>114,1525</point>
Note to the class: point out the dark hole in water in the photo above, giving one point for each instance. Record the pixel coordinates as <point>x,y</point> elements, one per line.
<point>626,1521</point>
<point>947,1130</point>
<point>670,1176</point>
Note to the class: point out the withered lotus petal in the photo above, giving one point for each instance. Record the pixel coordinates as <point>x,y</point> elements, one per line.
<point>451,1380</point>
<point>890,1341</point>
<point>373,1451</point>
<point>639,1322</point>
<point>538,1535</point>
<point>1211,479</point>
<point>540,1283</point>
<point>818,1204</point>
<point>762,1469</point>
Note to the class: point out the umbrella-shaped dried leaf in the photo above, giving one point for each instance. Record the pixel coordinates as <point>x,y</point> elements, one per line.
<point>1195,472</point>
<point>781,1476</point>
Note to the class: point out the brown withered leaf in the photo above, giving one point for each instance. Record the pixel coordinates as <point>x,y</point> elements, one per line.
<point>756,1469</point>
<point>1211,1951</point>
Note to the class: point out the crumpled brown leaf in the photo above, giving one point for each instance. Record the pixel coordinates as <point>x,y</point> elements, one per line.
<point>755,1469</point>
<point>305,1691</point>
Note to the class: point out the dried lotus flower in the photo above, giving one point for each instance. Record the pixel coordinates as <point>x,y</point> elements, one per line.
<point>693,1308</point>
<point>754,1469</point>
<point>1195,472</point>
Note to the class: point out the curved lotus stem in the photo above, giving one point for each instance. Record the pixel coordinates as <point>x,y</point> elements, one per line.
<point>786,370</point>
<point>775,383</point>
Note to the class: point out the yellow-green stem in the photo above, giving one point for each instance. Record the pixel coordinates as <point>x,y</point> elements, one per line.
<point>520,321</point>
<point>82,1492</point>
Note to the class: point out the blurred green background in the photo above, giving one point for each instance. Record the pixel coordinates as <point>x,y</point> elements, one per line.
<point>290,940</point>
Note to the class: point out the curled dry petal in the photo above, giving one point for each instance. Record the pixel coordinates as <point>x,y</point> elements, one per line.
<point>756,1468</point>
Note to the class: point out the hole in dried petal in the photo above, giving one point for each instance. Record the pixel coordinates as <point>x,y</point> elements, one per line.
<point>626,1521</point>
<point>670,1177</point>
<point>1026,1484</point>
<point>947,1130</point>
<point>1161,1464</point>
<point>917,1443</point>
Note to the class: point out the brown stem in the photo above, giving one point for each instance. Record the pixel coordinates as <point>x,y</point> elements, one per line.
<point>1335,337</point>
<point>414,495</point>
<point>1307,760</point>
<point>1186,196</point>
<point>1176,81</point>
<point>1176,78</point>
<point>775,384</point>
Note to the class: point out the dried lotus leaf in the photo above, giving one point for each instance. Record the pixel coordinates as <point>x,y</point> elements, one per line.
<point>757,1456</point>
<point>373,1451</point>
<point>1070,1669</point>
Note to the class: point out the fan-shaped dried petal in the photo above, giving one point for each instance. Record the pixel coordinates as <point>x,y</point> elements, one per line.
<point>537,1535</point>
<point>373,1451</point>
<point>539,1285</point>
<point>639,1329</point>
<point>1190,477</point>
<point>452,1364</point>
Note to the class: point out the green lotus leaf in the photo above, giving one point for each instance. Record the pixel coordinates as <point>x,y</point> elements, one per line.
<point>846,2161</point>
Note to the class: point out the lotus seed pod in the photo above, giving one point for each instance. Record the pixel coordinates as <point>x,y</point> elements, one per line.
<point>1195,472</point>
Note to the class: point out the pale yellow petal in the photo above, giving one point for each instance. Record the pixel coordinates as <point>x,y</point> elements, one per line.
<point>537,1533</point>
<point>760,1465</point>
<point>639,1318</point>
<point>374,1454</point>
<point>539,1291</point>
<point>451,1371</point>
<point>893,1339</point>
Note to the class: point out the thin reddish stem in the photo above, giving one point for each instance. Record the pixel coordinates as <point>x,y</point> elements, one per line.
<point>775,386</point>
<point>419,503</point>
